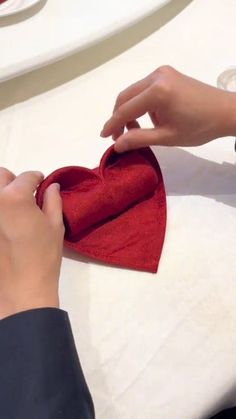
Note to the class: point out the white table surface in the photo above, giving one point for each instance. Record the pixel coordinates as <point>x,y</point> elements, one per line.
<point>152,346</point>
<point>55,28</point>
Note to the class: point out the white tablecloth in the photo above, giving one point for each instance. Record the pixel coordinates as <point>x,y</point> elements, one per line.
<point>152,346</point>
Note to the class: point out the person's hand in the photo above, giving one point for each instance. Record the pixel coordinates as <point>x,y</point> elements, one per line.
<point>31,243</point>
<point>184,112</point>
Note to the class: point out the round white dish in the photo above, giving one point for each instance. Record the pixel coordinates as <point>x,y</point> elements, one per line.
<point>11,7</point>
<point>61,28</point>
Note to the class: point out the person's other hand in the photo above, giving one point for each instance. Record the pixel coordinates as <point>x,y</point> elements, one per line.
<point>31,244</point>
<point>184,112</point>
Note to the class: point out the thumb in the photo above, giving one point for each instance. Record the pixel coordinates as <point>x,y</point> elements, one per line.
<point>52,205</point>
<point>138,138</point>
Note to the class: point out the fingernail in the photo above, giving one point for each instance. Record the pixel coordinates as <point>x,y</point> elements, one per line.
<point>103,132</point>
<point>58,186</point>
<point>120,147</point>
<point>38,173</point>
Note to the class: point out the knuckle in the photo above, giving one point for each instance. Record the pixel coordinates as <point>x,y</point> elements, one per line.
<point>3,171</point>
<point>161,88</point>
<point>163,77</point>
<point>120,114</point>
<point>164,88</point>
<point>33,174</point>
<point>165,70</point>
<point>119,99</point>
<point>155,87</point>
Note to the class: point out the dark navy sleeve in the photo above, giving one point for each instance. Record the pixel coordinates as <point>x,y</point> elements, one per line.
<point>40,373</point>
<point>226,414</point>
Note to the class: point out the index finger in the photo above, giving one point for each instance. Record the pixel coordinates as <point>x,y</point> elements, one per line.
<point>130,111</point>
<point>27,182</point>
<point>127,94</point>
<point>132,91</point>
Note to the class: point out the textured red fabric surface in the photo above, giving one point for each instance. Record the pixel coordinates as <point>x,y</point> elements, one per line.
<point>115,213</point>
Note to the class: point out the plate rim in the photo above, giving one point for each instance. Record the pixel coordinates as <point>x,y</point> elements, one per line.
<point>75,46</point>
<point>27,5</point>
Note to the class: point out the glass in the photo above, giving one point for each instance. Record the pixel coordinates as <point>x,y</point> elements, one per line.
<point>227,81</point>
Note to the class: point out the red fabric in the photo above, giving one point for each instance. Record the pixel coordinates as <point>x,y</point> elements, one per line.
<point>115,213</point>
<point>2,1</point>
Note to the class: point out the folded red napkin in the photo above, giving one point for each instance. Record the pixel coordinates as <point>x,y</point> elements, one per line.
<point>115,213</point>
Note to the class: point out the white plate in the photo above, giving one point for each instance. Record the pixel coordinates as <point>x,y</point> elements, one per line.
<point>11,7</point>
<point>62,28</point>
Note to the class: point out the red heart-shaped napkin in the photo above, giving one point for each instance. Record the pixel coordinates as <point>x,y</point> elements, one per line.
<point>115,213</point>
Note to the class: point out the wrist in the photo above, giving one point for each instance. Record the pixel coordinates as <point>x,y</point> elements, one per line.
<point>9,308</point>
<point>228,115</point>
